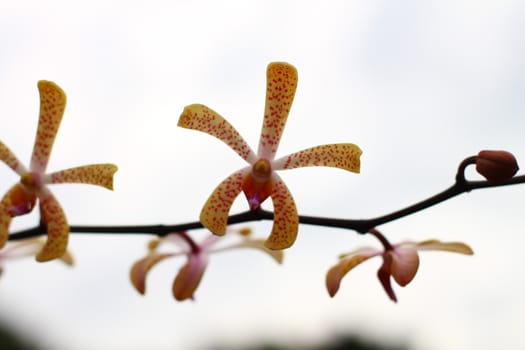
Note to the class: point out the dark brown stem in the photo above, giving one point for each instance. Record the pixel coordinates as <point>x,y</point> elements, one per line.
<point>386,244</point>
<point>362,226</point>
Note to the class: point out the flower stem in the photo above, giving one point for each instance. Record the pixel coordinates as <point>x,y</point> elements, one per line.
<point>461,185</point>
<point>386,244</point>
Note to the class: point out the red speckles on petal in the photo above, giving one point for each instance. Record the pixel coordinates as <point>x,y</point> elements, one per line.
<point>57,229</point>
<point>281,84</point>
<point>5,217</point>
<point>285,219</point>
<point>214,214</point>
<point>52,106</point>
<point>95,174</point>
<point>201,118</point>
<point>343,155</point>
<point>10,159</point>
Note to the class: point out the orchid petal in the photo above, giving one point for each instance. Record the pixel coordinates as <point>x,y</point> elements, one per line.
<point>285,218</point>
<point>175,238</point>
<point>11,160</point>
<point>24,248</point>
<point>95,174</point>
<point>140,269</point>
<point>455,247</point>
<point>214,214</point>
<point>201,118</point>
<point>208,242</point>
<point>277,255</point>
<point>67,258</point>
<point>342,155</point>
<point>57,229</point>
<point>52,105</point>
<point>384,277</point>
<point>31,246</point>
<point>338,271</point>
<point>15,197</point>
<point>368,251</point>
<point>281,83</point>
<point>189,276</point>
<point>405,262</point>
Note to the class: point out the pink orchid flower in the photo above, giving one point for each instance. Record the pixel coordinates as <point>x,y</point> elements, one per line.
<point>190,275</point>
<point>21,198</point>
<point>25,248</point>
<point>259,180</point>
<point>400,261</point>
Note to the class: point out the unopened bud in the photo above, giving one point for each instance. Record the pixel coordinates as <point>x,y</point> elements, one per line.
<point>496,166</point>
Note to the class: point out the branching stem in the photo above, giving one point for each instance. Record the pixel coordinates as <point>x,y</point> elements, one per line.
<point>461,185</point>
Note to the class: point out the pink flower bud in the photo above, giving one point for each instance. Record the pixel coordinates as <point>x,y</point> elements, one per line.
<point>496,166</point>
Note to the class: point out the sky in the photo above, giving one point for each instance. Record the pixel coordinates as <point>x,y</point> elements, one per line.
<point>419,86</point>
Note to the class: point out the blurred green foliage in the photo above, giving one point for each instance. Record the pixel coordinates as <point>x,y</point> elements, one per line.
<point>347,342</point>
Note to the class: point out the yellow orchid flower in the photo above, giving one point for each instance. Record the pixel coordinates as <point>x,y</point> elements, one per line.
<point>21,198</point>
<point>259,180</point>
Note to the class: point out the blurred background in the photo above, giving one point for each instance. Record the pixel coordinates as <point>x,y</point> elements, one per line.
<point>419,86</point>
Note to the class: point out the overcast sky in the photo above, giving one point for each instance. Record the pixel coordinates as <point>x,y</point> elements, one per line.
<point>418,85</point>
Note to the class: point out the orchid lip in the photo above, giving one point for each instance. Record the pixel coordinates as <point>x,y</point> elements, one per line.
<point>254,202</point>
<point>20,209</point>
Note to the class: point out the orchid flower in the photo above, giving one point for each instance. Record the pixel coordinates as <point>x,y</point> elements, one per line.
<point>21,198</point>
<point>400,261</point>
<point>190,275</point>
<point>259,180</point>
<point>25,248</point>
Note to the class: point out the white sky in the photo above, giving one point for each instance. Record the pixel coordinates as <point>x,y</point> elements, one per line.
<point>417,85</point>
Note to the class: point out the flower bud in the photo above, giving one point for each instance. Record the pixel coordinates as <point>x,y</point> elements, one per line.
<point>496,166</point>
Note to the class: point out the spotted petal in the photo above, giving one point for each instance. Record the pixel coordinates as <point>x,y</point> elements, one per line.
<point>11,160</point>
<point>52,106</point>
<point>140,269</point>
<point>455,247</point>
<point>201,118</point>
<point>214,214</point>
<point>281,83</point>
<point>285,218</point>
<point>57,229</point>
<point>338,271</point>
<point>342,155</point>
<point>5,218</point>
<point>95,174</point>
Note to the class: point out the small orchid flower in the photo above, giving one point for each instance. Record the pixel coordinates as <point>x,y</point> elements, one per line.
<point>259,180</point>
<point>400,261</point>
<point>21,198</point>
<point>25,248</point>
<point>190,275</point>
